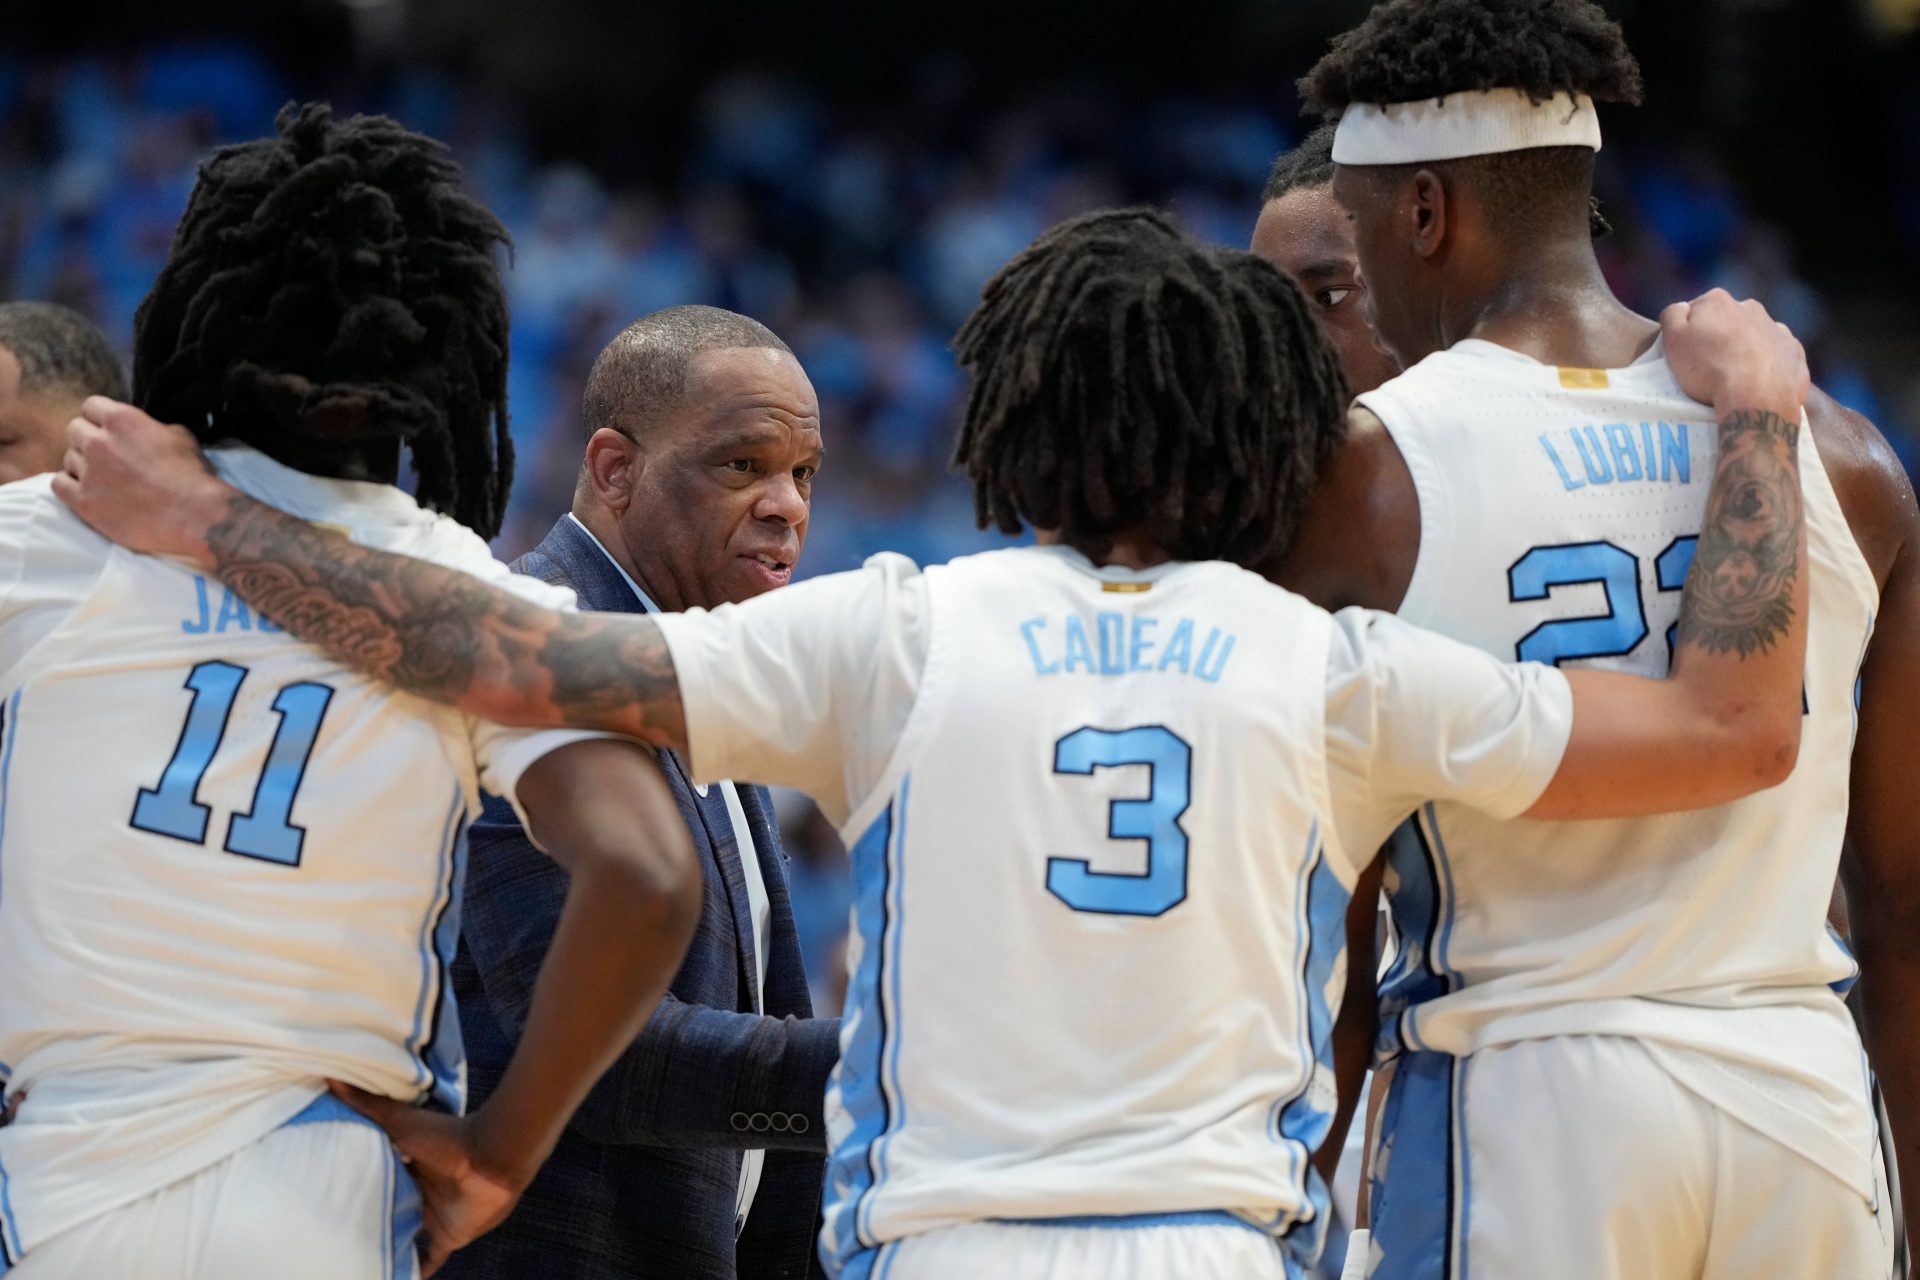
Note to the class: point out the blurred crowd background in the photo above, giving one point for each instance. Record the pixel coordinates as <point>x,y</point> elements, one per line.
<point>851,177</point>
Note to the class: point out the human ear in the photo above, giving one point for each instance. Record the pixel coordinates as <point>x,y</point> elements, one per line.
<point>614,463</point>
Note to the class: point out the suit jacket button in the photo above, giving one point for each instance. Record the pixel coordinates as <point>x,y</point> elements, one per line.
<point>739,1121</point>
<point>801,1124</point>
<point>782,1122</point>
<point>760,1122</point>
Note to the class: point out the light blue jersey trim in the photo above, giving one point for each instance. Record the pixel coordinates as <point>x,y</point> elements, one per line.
<point>10,1250</point>
<point>896,1101</point>
<point>10,730</point>
<point>404,1218</point>
<point>1138,1221</point>
<point>1415,1196</point>
<point>1298,1121</point>
<point>325,1109</point>
<point>851,1172</point>
<point>429,938</point>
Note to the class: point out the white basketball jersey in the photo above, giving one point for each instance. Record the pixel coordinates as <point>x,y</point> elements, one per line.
<point>229,867</point>
<point>1100,881</point>
<point>1559,511</point>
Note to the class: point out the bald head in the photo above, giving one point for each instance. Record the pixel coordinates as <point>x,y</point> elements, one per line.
<point>641,376</point>
<point>51,359</point>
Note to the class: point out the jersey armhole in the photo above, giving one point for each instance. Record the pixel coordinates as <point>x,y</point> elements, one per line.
<point>1425,584</point>
<point>927,699</point>
<point>23,668</point>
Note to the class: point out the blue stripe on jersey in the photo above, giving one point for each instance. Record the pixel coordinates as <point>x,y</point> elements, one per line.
<point>404,1217</point>
<point>9,1229</point>
<point>445,1051</point>
<point>850,1174</point>
<point>1420,896</point>
<point>9,730</point>
<point>1301,1121</point>
<point>1134,1221</point>
<point>1414,1200</point>
<point>896,1103</point>
<point>432,981</point>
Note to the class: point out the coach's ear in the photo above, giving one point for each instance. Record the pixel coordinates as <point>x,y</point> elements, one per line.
<point>613,465</point>
<point>1428,213</point>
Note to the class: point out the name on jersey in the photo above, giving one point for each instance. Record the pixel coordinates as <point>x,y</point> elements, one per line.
<point>1620,452</point>
<point>232,615</point>
<point>1113,644</point>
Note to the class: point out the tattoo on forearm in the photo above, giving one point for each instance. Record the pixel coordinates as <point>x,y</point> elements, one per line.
<point>446,636</point>
<point>1739,595</point>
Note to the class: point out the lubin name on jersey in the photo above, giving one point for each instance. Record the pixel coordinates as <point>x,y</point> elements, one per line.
<point>1115,644</point>
<point>1617,452</point>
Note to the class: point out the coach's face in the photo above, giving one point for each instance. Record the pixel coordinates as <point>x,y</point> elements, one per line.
<point>1307,234</point>
<point>33,436</point>
<point>712,500</point>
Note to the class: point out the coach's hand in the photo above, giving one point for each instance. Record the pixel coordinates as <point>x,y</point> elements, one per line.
<point>462,1196</point>
<point>1733,355</point>
<point>141,483</point>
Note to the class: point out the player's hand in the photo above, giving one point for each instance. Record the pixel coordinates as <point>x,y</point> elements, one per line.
<point>1733,355</point>
<point>140,483</point>
<point>461,1197</point>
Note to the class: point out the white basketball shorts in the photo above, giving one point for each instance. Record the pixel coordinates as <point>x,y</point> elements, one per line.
<point>1580,1158</point>
<point>323,1197</point>
<point>1186,1246</point>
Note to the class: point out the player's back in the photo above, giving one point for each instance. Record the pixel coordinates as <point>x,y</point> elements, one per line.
<point>1559,510</point>
<point>230,867</point>
<point>1082,981</point>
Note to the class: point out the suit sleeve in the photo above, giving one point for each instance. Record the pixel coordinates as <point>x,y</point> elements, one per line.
<point>692,1068</point>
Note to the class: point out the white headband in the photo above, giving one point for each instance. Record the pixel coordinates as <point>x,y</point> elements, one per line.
<point>1463,124</point>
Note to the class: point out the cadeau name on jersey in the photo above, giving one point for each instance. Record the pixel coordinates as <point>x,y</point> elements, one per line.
<point>1619,452</point>
<point>1113,644</point>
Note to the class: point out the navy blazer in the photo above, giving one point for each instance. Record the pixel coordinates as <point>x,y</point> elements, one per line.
<point>643,1183</point>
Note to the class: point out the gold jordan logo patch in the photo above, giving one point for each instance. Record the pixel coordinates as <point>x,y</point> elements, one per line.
<point>1584,379</point>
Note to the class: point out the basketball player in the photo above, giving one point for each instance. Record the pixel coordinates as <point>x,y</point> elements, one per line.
<point>232,867</point>
<point>1305,233</point>
<point>1618,1050</point>
<point>1106,796</point>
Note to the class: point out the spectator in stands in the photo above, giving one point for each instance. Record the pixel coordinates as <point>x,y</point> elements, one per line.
<point>51,358</point>
<point>700,1155</point>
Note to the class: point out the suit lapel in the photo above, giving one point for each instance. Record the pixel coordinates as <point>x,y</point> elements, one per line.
<point>786,993</point>
<point>603,588</point>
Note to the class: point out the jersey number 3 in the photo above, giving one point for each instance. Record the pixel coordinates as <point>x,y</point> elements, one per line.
<point>1155,818</point>
<point>172,807</point>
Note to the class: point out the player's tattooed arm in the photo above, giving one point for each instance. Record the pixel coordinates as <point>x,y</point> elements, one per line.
<point>1739,596</point>
<point>431,631</point>
<point>1726,723</point>
<point>447,636</point>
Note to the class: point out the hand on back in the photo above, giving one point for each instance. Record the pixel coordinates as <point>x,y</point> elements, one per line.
<point>139,482</point>
<point>1733,355</point>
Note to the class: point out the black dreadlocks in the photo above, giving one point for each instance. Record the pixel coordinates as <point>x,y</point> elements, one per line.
<point>329,289</point>
<point>1127,377</point>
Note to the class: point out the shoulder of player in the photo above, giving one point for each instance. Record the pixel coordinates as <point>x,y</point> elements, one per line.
<point>1360,533</point>
<point>1875,493</point>
<point>29,505</point>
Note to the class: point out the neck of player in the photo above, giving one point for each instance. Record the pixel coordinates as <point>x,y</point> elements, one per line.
<point>1127,549</point>
<point>1549,301</point>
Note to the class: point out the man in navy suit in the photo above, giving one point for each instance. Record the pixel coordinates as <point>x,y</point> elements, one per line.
<point>700,1155</point>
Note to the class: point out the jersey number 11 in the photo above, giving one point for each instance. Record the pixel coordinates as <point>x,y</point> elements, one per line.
<point>172,807</point>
